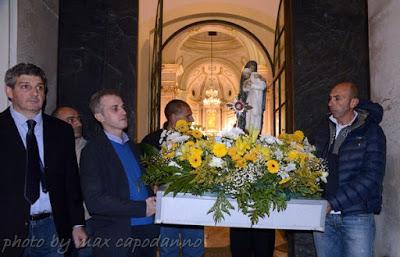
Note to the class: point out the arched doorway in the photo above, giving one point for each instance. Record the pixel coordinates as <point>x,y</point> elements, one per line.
<point>202,63</point>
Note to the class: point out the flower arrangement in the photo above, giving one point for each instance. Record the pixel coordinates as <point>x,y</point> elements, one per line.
<point>261,172</point>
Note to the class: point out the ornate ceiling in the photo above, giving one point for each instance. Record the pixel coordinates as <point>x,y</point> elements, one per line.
<point>210,62</point>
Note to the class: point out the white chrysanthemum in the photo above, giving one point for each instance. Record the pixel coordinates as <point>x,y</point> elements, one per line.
<point>232,133</point>
<point>289,167</point>
<point>217,162</point>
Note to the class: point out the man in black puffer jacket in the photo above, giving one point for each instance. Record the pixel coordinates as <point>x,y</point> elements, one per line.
<point>354,146</point>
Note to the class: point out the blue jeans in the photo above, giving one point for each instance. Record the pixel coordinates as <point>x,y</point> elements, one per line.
<point>43,239</point>
<point>346,236</point>
<point>190,238</point>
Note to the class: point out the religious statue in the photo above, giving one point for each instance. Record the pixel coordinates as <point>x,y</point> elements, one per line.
<point>252,92</point>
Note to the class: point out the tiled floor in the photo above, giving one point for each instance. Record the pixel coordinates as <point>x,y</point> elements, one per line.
<point>217,243</point>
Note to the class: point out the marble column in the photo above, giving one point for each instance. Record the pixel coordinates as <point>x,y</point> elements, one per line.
<point>37,40</point>
<point>97,49</point>
<point>384,21</point>
<point>330,45</point>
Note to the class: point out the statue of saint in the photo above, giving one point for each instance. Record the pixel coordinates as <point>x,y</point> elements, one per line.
<point>252,92</point>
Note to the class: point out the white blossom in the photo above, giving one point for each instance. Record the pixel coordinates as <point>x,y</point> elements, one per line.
<point>289,167</point>
<point>176,137</point>
<point>217,162</point>
<point>268,139</point>
<point>324,175</point>
<point>174,164</point>
<point>232,133</point>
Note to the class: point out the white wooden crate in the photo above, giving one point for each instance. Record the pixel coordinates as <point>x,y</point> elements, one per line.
<point>187,209</point>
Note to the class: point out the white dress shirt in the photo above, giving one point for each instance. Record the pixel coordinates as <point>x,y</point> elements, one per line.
<point>43,203</point>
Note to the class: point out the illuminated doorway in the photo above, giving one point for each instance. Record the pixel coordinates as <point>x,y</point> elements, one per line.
<point>202,64</point>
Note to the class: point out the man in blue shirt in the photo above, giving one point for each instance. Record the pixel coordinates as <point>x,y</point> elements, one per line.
<point>122,207</point>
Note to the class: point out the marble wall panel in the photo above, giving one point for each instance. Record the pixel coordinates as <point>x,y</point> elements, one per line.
<point>98,43</point>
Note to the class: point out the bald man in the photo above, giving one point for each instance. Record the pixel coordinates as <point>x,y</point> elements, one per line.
<point>191,238</point>
<point>71,116</point>
<point>354,146</point>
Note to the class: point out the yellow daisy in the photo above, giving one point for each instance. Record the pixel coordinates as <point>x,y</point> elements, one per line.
<point>195,160</point>
<point>272,166</point>
<point>197,134</point>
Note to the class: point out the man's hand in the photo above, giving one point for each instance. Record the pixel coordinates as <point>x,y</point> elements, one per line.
<point>150,206</point>
<point>328,208</point>
<point>79,236</point>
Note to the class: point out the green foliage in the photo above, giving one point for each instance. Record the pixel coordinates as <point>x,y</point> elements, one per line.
<point>260,199</point>
<point>221,206</point>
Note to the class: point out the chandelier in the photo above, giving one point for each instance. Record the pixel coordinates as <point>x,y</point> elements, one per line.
<point>211,93</point>
<point>211,97</point>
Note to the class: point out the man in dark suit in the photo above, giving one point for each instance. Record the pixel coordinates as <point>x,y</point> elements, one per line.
<point>40,198</point>
<point>121,206</point>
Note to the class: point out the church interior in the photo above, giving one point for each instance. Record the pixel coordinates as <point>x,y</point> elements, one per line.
<point>154,51</point>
